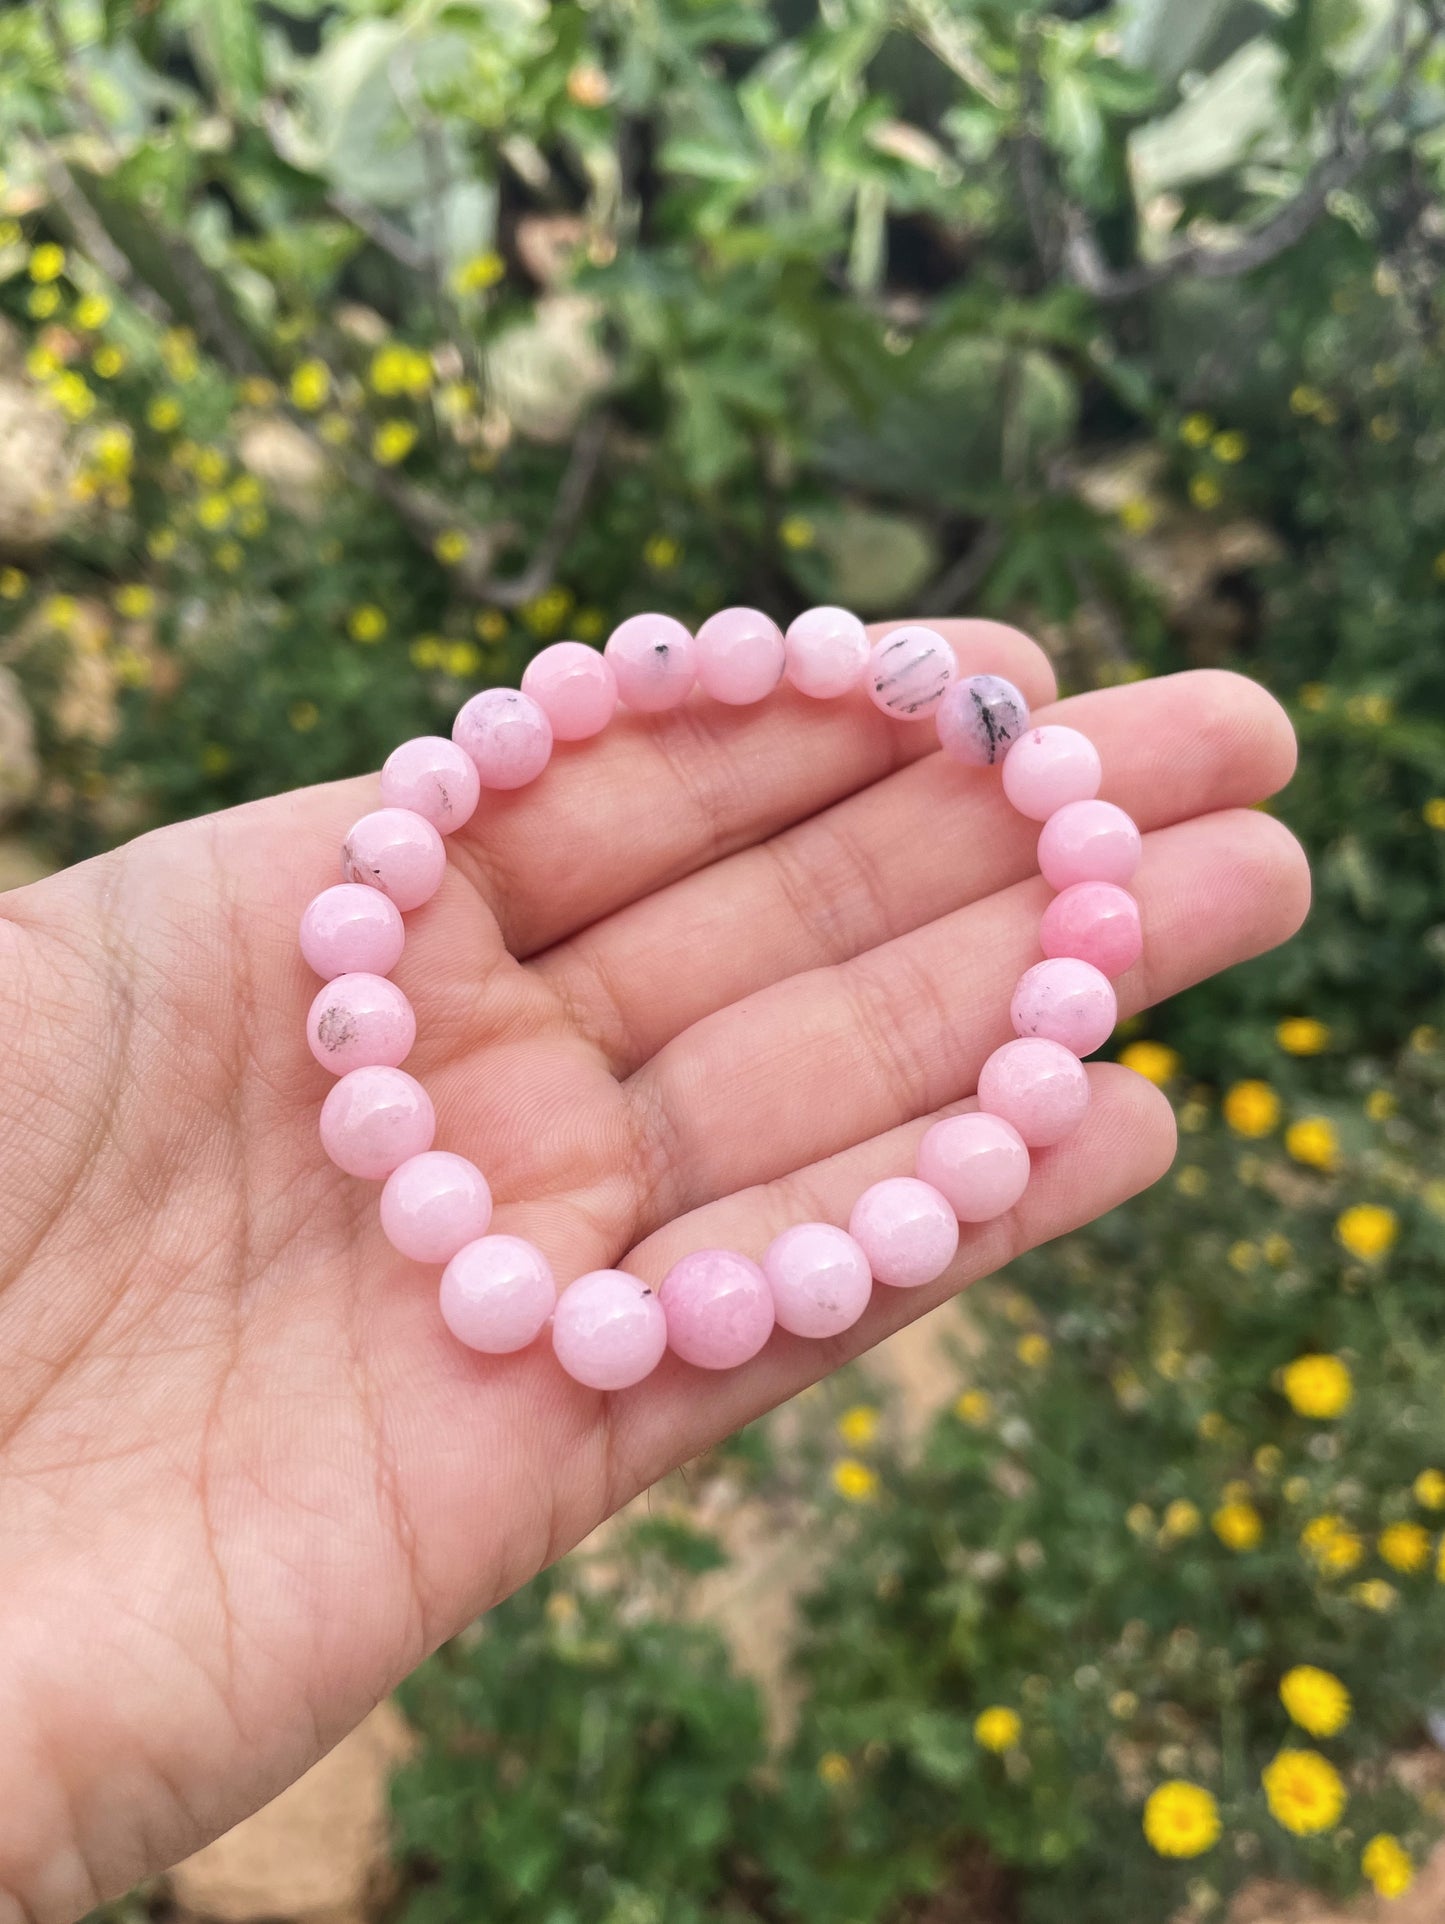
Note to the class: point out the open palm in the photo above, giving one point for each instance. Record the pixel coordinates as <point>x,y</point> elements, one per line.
<point>706,978</point>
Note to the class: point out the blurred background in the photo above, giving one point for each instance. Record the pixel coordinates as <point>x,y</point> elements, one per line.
<point>350,350</point>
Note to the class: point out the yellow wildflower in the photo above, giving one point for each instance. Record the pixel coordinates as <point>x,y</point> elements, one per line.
<point>1238,1526</point>
<point>1405,1547</point>
<point>1212,1426</point>
<point>1229,447</point>
<point>1315,1699</point>
<point>797,531</point>
<point>162,543</point>
<point>1196,430</point>
<point>461,658</point>
<point>213,511</point>
<point>1312,1141</point>
<point>13,583</point>
<point>1314,696</point>
<point>1304,1792</point>
<point>178,351</point>
<point>393,442</point>
<point>1244,1256</point>
<point>108,361</point>
<point>164,413</point>
<point>366,623</point>
<point>1251,1109</point>
<point>858,1426</point>
<point>1033,1350</point>
<point>310,386</point>
<point>479,273</point>
<point>73,396</point>
<point>450,547</point>
<point>1434,812</point>
<point>1367,1230</point>
<point>229,556</point>
<point>974,1407</point>
<point>1191,1180</point>
<point>1138,515</point>
<point>1277,1249</point>
<point>47,262</point>
<point>1205,492</point>
<point>1269,1459</point>
<point>1376,1594</point>
<point>1155,1061</point>
<point>1317,1386</point>
<point>42,302</point>
<point>491,624</point>
<point>303,716</point>
<point>400,370</point>
<point>1181,1519</point>
<point>1386,1863</point>
<point>59,612</point>
<point>661,552</point>
<point>834,1769</point>
<point>1331,1546</point>
<point>1140,1519</point>
<point>1181,1819</point>
<point>998,1728</point>
<point>1123,1705</point>
<point>1429,1489</point>
<point>1296,1489</point>
<point>113,451</point>
<point>134,601</point>
<point>590,625</point>
<point>1302,1035</point>
<point>854,1480</point>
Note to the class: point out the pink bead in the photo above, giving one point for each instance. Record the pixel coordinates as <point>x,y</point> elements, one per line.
<point>434,1204</point>
<point>907,1231</point>
<point>739,656</point>
<point>350,928</point>
<point>398,852</point>
<point>908,671</point>
<point>575,688</point>
<point>655,661</point>
<point>719,1309</point>
<point>825,652</point>
<point>434,779</point>
<point>1039,1087</point>
<point>360,1021</point>
<point>1065,1001</point>
<point>506,734</point>
<point>497,1294</point>
<point>819,1277</point>
<point>1050,767</point>
<point>374,1119</point>
<point>1098,923</point>
<point>978,1162</point>
<point>980,719</point>
<point>1088,842</point>
<point>609,1330</point>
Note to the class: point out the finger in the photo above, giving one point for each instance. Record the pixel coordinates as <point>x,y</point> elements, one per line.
<point>659,796</point>
<point>839,1054</point>
<point>924,841</point>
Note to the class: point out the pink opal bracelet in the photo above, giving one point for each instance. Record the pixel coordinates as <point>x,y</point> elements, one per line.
<point>715,1308</point>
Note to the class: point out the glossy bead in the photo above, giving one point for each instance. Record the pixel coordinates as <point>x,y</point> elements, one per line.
<point>719,1309</point>
<point>1039,1087</point>
<point>906,1229</point>
<point>739,656</point>
<point>397,851</point>
<point>609,1330</point>
<point>819,1277</point>
<point>825,652</point>
<point>1096,921</point>
<point>978,1162</point>
<point>980,719</point>
<point>1065,1001</point>
<point>506,734</point>
<point>1088,842</point>
<point>434,779</point>
<point>360,1021</point>
<point>374,1120</point>
<point>433,1204</point>
<point>575,688</point>
<point>496,1294</point>
<point>1050,767</point>
<point>352,928</point>
<point>655,661</point>
<point>908,671</point>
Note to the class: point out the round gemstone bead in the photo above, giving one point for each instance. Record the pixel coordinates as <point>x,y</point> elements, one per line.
<point>1088,842</point>
<point>906,1229</point>
<point>433,1204</point>
<point>908,672</point>
<point>434,779</point>
<point>1039,1087</point>
<point>397,851</point>
<point>819,1277</point>
<point>497,1293</point>
<point>719,1309</point>
<point>1066,1001</point>
<point>980,719</point>
<point>825,652</point>
<point>978,1162</point>
<point>1050,767</point>
<point>1096,921</point>
<point>655,661</point>
<point>359,1021</point>
<point>507,735</point>
<point>352,928</point>
<point>739,656</point>
<point>374,1120</point>
<point>575,688</point>
<point>609,1330</point>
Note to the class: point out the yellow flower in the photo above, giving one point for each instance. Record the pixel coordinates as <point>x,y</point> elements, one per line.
<point>108,361</point>
<point>1138,515</point>
<point>427,651</point>
<point>1140,1519</point>
<point>998,1728</point>
<point>1383,427</point>
<point>661,552</point>
<point>491,624</point>
<point>1332,1548</point>
<point>393,442</point>
<point>1212,1426</point>
<point>1304,1792</point>
<point>858,1426</point>
<point>1314,696</point>
<point>1312,1141</point>
<point>479,273</point>
<point>366,623</point>
<point>854,1480</point>
<point>1376,1594</point>
<point>1123,1705</point>
<point>1302,1035</point>
<point>1315,1700</point>
<point>1430,1489</point>
<point>1155,1061</point>
<point>1181,1519</point>
<point>213,511</point>
<point>73,396</point>
<point>164,413</point>
<point>229,556</point>
<point>10,233</point>
<point>59,612</point>
<point>797,531</point>
<point>400,370</point>
<point>311,386</point>
<point>1205,491</point>
<point>42,302</point>
<point>1434,811</point>
<point>1251,1109</point>
<point>590,625</point>
<point>1033,1350</point>
<point>1191,1180</point>
<point>1277,1249</point>
<point>162,543</point>
<point>304,716</point>
<point>1318,1386</point>
<point>1244,1256</point>
<point>134,601</point>
<point>1238,1525</point>
<point>544,614</point>
<point>1405,1547</point>
<point>13,583</point>
<point>178,351</point>
<point>113,451</point>
<point>974,1407</point>
<point>1230,447</point>
<point>461,658</point>
<point>47,262</point>
<point>1367,1230</point>
<point>834,1769</point>
<point>1386,1863</point>
<point>1269,1459</point>
<point>1380,1105</point>
<point>92,312</point>
<point>1196,430</point>
<point>1181,1820</point>
<point>450,547</point>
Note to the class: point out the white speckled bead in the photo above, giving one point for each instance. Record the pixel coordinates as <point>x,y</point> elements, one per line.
<point>434,779</point>
<point>908,672</point>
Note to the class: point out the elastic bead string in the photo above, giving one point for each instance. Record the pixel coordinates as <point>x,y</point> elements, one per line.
<point>715,1308</point>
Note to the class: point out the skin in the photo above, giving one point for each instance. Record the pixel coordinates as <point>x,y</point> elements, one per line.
<point>713,974</point>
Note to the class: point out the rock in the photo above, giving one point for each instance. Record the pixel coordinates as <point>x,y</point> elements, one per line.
<point>285,457</point>
<point>36,503</point>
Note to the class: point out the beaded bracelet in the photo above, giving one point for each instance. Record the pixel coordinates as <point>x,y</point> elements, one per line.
<point>715,1308</point>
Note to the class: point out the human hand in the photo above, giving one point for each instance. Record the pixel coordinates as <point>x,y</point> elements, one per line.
<point>710,976</point>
